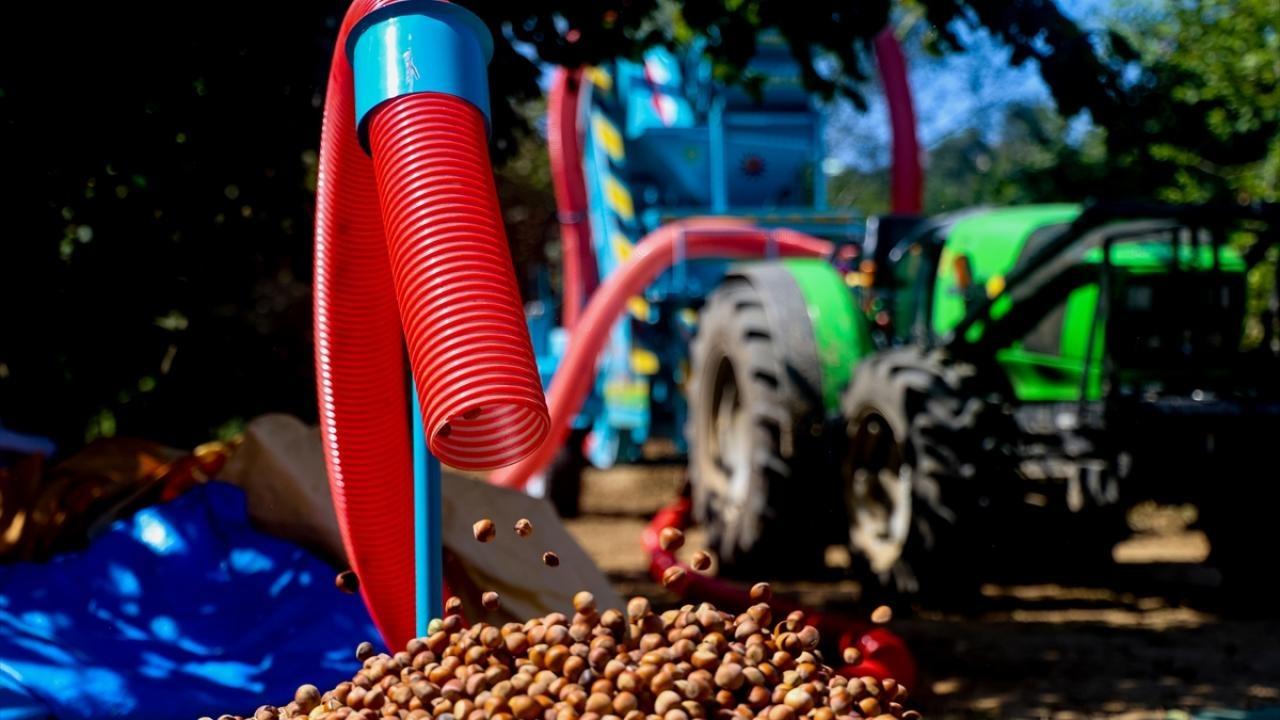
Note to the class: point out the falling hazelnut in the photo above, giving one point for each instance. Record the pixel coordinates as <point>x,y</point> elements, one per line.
<point>673,576</point>
<point>670,539</point>
<point>761,592</point>
<point>347,582</point>
<point>483,530</point>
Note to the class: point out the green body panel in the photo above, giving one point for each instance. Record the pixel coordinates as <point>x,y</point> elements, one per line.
<point>992,241</point>
<point>840,332</point>
<point>1153,257</point>
<point>1039,377</point>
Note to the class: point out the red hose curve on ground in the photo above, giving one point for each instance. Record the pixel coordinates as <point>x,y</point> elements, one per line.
<point>657,251</point>
<point>884,654</point>
<point>414,232</point>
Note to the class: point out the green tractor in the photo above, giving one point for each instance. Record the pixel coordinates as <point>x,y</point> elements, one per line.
<point>992,384</point>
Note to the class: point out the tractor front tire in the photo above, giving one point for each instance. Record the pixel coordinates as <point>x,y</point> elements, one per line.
<point>909,472</point>
<point>756,435</point>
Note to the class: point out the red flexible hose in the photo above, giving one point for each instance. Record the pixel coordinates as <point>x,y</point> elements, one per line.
<point>358,348</point>
<point>657,251</point>
<point>453,285</point>
<point>906,177</point>
<point>565,153</point>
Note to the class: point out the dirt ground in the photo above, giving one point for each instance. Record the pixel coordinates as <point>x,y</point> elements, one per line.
<point>1139,639</point>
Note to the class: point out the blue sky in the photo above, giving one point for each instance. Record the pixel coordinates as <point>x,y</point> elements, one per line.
<point>952,94</point>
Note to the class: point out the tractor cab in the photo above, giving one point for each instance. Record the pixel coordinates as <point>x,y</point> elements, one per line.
<point>1072,306</point>
<point>1106,303</point>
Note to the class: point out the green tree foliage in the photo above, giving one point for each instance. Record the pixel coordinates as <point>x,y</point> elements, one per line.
<point>1211,99</point>
<point>157,199</point>
<point>1202,119</point>
<point>1030,161</point>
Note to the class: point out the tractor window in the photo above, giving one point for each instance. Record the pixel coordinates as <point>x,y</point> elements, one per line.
<point>1046,336</point>
<point>1037,240</point>
<point>1046,363</point>
<point>1174,317</point>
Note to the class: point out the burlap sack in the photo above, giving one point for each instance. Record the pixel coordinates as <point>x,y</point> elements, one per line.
<point>280,466</point>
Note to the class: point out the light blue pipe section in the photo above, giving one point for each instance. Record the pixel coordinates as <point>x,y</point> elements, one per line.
<point>719,178</point>
<point>417,46</point>
<point>428,550</point>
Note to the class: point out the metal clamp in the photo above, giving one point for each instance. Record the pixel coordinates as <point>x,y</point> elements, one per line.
<point>415,46</point>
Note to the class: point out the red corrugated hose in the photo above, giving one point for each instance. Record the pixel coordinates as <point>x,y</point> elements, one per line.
<point>565,152</point>
<point>413,233</point>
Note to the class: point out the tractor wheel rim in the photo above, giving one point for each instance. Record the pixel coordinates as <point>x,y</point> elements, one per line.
<point>879,498</point>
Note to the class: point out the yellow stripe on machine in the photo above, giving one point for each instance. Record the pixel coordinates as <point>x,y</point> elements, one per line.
<point>610,139</point>
<point>621,247</point>
<point>644,362</point>
<point>600,78</point>
<point>618,198</point>
<point>857,279</point>
<point>638,307</point>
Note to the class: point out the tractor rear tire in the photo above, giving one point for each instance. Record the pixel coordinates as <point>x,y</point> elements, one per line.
<point>909,470</point>
<point>757,455</point>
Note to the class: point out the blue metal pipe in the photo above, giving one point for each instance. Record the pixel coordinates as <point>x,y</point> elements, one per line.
<point>428,551</point>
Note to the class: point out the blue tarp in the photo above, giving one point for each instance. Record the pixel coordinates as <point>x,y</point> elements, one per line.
<point>179,611</point>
